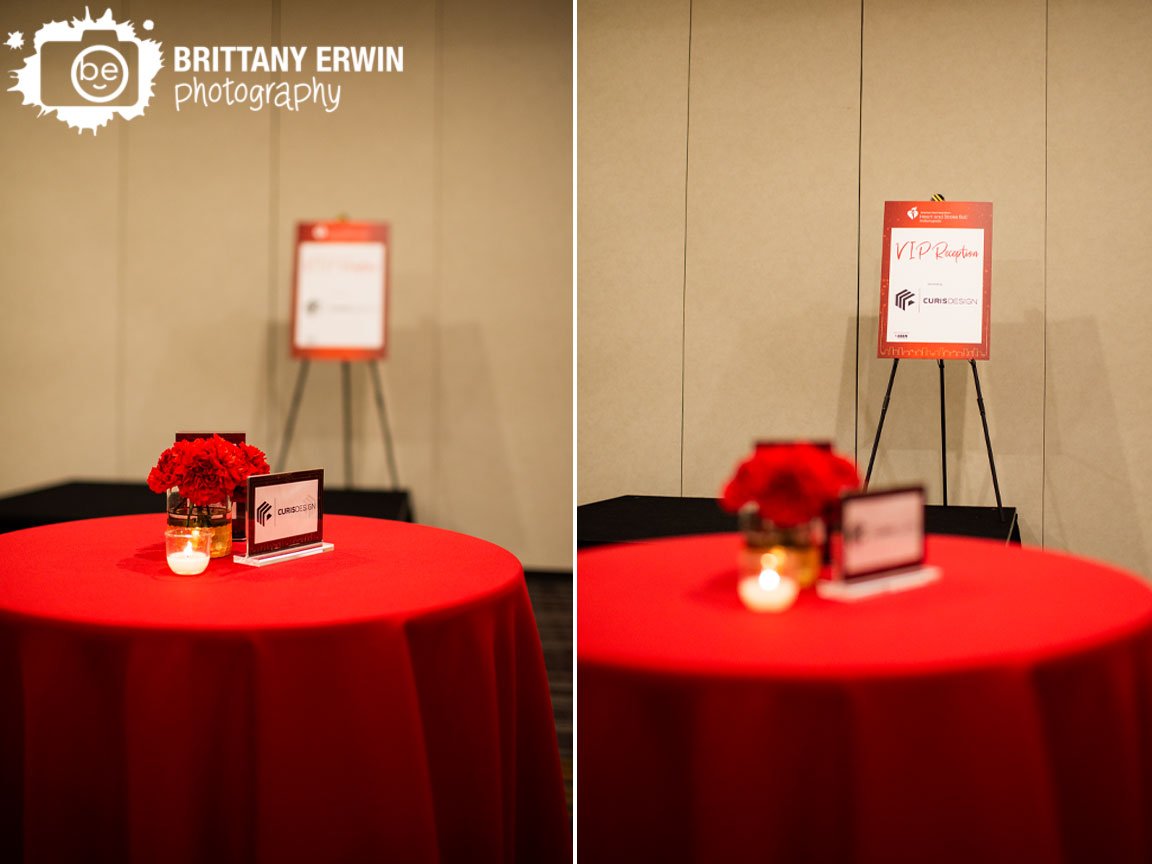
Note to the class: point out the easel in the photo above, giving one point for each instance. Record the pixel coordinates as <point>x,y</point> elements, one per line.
<point>943,427</point>
<point>346,396</point>
<point>342,231</point>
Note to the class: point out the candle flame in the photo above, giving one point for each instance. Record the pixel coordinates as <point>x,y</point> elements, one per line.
<point>188,549</point>
<point>769,579</point>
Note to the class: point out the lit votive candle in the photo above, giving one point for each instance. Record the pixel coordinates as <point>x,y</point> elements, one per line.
<point>187,550</point>
<point>767,592</point>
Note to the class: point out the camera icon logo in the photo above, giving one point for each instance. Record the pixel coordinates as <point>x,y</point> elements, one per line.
<point>89,71</point>
<point>100,69</point>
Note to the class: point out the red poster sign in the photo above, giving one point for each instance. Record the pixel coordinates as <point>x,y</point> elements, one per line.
<point>340,291</point>
<point>936,280</point>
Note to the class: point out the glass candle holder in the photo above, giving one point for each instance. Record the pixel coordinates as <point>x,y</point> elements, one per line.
<point>188,549</point>
<point>215,518</point>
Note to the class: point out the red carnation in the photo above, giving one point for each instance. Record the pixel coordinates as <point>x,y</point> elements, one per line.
<point>256,460</point>
<point>206,470</point>
<point>790,484</point>
<point>166,473</point>
<point>842,474</point>
<point>207,477</point>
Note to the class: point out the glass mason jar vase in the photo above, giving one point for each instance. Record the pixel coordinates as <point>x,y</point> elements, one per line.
<point>793,551</point>
<point>215,517</point>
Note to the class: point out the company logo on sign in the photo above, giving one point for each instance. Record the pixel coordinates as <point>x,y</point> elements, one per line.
<point>309,503</point>
<point>913,213</point>
<point>951,301</point>
<point>89,71</point>
<point>904,299</point>
<point>263,512</point>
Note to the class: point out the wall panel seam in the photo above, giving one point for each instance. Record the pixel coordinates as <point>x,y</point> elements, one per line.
<point>859,229</point>
<point>684,283</point>
<point>436,408</point>
<point>119,368</point>
<point>1044,316</point>
<point>274,146</point>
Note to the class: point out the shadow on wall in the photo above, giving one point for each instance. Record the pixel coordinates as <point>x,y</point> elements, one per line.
<point>1090,504</point>
<point>408,378</point>
<point>846,404</point>
<point>273,399</point>
<point>317,438</point>
<point>913,419</point>
<point>475,492</point>
<point>1012,383</point>
<point>912,424</point>
<point>914,412</point>
<point>766,389</point>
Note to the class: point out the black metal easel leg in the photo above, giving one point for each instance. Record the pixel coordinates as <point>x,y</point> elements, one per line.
<point>880,425</point>
<point>383,412</point>
<point>346,389</point>
<point>943,437</point>
<point>987,441</point>
<point>293,410</point>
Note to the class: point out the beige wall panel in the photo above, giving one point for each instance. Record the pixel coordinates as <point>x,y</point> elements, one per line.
<point>58,280</point>
<point>505,363</point>
<point>953,102</point>
<point>195,225</point>
<point>771,272</point>
<point>1098,478</point>
<point>373,158</point>
<point>633,91</point>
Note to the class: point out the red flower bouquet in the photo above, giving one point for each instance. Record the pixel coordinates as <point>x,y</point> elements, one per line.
<point>206,470</point>
<point>200,476</point>
<point>790,484</point>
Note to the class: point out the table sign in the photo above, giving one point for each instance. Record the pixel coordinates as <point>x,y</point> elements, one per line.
<point>285,517</point>
<point>936,280</point>
<point>340,291</point>
<point>880,546</point>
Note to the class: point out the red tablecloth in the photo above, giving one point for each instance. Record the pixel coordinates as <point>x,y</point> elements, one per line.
<point>1001,714</point>
<point>383,702</point>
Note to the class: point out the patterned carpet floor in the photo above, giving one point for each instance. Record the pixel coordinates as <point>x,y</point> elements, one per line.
<point>551,595</point>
